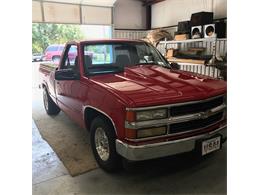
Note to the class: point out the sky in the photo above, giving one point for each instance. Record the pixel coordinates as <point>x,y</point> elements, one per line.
<point>96,31</point>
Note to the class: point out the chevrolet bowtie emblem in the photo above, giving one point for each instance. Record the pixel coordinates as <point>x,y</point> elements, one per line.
<point>204,115</point>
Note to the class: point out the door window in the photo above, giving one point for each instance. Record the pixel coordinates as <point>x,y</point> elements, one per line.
<point>71,58</point>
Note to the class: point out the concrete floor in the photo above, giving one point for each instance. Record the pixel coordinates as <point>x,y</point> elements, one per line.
<point>182,174</point>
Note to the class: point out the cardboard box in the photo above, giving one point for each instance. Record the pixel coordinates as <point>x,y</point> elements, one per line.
<point>171,52</point>
<point>181,37</point>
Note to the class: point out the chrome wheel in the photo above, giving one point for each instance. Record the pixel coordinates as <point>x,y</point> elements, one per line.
<point>101,143</point>
<point>45,100</point>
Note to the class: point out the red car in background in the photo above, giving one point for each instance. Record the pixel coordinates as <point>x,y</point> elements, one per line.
<point>53,53</point>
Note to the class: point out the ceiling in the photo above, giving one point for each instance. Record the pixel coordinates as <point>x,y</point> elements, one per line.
<point>76,11</point>
<point>72,11</point>
<point>150,2</point>
<point>103,3</point>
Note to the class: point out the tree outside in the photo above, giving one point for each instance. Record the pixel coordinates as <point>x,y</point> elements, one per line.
<point>44,35</point>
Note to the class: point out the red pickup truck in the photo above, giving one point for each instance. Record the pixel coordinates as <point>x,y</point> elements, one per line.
<point>135,104</point>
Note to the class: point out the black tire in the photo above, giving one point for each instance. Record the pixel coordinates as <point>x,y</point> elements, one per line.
<point>112,162</point>
<point>50,107</point>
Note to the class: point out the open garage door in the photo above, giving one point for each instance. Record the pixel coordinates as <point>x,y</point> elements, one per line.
<point>73,11</point>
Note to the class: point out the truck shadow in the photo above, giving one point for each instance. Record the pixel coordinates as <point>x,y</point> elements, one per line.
<point>167,165</point>
<point>186,173</point>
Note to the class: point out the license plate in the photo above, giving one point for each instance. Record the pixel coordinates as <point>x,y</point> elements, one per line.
<point>211,145</point>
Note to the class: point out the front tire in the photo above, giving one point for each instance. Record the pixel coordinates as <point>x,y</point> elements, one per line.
<point>50,107</point>
<point>102,139</point>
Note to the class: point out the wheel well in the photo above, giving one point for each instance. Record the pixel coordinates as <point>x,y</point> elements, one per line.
<point>90,114</point>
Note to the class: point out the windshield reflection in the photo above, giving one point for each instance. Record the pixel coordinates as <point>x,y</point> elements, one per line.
<point>110,57</point>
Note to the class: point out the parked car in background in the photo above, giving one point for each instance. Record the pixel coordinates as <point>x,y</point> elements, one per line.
<point>53,53</point>
<point>36,57</point>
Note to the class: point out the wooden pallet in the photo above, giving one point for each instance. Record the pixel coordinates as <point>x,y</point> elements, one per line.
<point>190,61</point>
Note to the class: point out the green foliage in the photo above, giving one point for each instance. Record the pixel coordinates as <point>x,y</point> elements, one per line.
<point>47,34</point>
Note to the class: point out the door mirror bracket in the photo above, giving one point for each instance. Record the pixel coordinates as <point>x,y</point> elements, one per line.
<point>66,74</point>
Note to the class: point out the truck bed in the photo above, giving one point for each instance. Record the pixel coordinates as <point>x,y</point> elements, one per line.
<point>47,67</point>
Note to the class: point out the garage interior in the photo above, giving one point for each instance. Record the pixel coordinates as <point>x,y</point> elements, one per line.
<point>58,161</point>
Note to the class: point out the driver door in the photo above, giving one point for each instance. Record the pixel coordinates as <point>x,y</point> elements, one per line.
<point>67,100</point>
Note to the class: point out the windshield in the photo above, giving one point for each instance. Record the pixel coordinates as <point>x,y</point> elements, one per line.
<point>114,56</point>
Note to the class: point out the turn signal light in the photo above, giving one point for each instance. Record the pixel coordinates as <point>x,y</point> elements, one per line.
<point>150,132</point>
<point>130,116</point>
<point>130,133</point>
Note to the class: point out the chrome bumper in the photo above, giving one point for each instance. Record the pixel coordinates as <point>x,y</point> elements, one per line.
<point>156,150</point>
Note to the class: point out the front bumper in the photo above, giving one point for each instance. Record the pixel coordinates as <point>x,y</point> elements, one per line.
<point>157,150</point>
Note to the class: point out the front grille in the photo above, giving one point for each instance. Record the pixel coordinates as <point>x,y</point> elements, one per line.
<point>195,124</point>
<point>196,107</point>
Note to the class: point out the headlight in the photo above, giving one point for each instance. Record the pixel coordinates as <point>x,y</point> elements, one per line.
<point>142,133</point>
<point>151,114</point>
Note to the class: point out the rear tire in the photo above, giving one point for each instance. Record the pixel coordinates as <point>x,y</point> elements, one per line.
<point>102,139</point>
<point>50,107</point>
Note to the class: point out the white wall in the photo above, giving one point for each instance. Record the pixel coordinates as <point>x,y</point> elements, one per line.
<point>129,14</point>
<point>220,8</point>
<point>170,12</point>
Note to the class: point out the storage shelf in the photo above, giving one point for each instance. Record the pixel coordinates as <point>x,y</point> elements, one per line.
<point>213,46</point>
<point>194,40</point>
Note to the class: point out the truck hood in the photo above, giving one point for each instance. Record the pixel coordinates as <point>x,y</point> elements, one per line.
<point>148,85</point>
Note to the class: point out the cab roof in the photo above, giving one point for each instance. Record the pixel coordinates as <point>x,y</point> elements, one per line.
<point>109,40</point>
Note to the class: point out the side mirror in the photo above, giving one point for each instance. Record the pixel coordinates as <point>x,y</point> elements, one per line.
<point>175,66</point>
<point>66,74</point>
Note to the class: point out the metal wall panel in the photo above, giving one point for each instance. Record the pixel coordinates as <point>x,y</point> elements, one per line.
<point>202,69</point>
<point>129,14</point>
<point>138,34</point>
<point>129,34</point>
<point>220,8</point>
<point>221,46</point>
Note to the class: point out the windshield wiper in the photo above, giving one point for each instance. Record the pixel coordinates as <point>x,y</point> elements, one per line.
<point>105,70</point>
<point>147,63</point>
<point>161,64</point>
<point>174,66</point>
